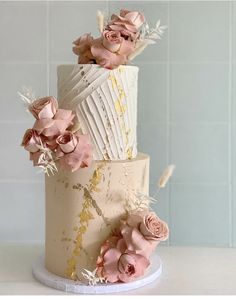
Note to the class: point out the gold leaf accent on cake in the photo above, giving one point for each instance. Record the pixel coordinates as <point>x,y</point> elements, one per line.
<point>129,153</point>
<point>85,216</point>
<point>119,106</point>
<point>96,207</point>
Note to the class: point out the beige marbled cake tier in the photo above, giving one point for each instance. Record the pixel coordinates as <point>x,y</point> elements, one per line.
<point>83,207</point>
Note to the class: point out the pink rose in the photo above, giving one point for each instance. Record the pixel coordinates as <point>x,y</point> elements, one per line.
<point>136,242</point>
<point>74,151</point>
<point>44,108</point>
<point>153,228</point>
<point>134,17</point>
<point>112,40</point>
<point>83,49</point>
<point>143,231</point>
<point>127,23</point>
<point>67,142</point>
<point>31,141</point>
<point>111,50</point>
<point>57,125</point>
<point>124,267</point>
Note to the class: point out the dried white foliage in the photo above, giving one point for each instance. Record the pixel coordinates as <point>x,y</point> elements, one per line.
<point>27,96</point>
<point>148,36</point>
<point>166,176</point>
<point>92,277</point>
<point>152,33</point>
<point>46,161</point>
<point>100,21</point>
<point>139,202</point>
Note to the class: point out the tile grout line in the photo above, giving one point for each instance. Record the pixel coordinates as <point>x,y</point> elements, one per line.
<point>230,199</point>
<point>168,113</point>
<point>48,48</point>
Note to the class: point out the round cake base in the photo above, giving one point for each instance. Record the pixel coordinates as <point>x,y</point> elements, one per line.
<point>67,285</point>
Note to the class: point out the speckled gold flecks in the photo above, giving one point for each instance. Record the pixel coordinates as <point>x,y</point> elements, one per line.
<point>85,216</point>
<point>119,105</point>
<point>78,186</point>
<point>129,153</point>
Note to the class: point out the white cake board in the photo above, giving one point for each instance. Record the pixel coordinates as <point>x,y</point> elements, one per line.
<point>67,285</point>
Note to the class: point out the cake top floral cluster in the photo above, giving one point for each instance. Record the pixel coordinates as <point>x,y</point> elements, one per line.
<point>122,38</point>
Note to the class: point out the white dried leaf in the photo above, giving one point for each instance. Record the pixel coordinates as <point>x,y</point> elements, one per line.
<point>92,277</point>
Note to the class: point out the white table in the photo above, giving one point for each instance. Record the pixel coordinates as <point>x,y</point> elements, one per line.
<point>186,270</point>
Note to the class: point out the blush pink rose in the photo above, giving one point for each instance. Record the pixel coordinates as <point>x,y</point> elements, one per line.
<point>74,151</point>
<point>127,23</point>
<point>82,48</point>
<point>31,141</point>
<point>102,49</point>
<point>124,267</point>
<point>136,242</point>
<point>67,142</point>
<point>112,40</point>
<point>44,108</point>
<point>153,228</point>
<point>51,128</point>
<point>143,231</point>
<point>134,17</point>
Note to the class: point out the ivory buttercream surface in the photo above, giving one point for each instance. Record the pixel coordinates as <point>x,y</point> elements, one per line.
<point>105,103</point>
<point>83,207</point>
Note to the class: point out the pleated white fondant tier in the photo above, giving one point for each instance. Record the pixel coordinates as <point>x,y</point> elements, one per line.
<point>105,103</point>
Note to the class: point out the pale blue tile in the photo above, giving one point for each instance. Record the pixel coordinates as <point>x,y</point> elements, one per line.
<point>53,79</point>
<point>234,30</point>
<point>199,92</point>
<point>68,21</point>
<point>199,30</point>
<point>23,31</point>
<point>199,215</point>
<point>161,206</point>
<point>233,101</point>
<point>14,162</point>
<point>234,183</point>
<point>153,11</point>
<point>152,140</point>
<point>200,153</point>
<point>22,212</point>
<point>152,93</point>
<point>13,77</point>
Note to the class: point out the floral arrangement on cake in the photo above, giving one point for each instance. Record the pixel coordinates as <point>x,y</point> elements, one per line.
<point>125,254</point>
<point>53,138</point>
<point>122,38</point>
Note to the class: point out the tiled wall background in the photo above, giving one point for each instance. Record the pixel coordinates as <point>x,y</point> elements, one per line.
<point>187,110</point>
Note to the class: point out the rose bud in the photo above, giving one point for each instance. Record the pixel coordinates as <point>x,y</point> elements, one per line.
<point>44,108</point>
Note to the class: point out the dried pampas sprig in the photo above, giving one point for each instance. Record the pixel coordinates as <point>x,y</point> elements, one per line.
<point>100,21</point>
<point>166,176</point>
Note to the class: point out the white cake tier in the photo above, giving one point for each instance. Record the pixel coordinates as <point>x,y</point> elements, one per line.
<point>105,103</point>
<point>83,207</point>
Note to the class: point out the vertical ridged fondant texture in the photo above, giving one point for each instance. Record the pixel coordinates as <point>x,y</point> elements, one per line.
<point>83,207</point>
<point>105,103</point>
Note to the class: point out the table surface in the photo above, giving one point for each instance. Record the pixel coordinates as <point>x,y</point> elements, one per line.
<point>186,270</point>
